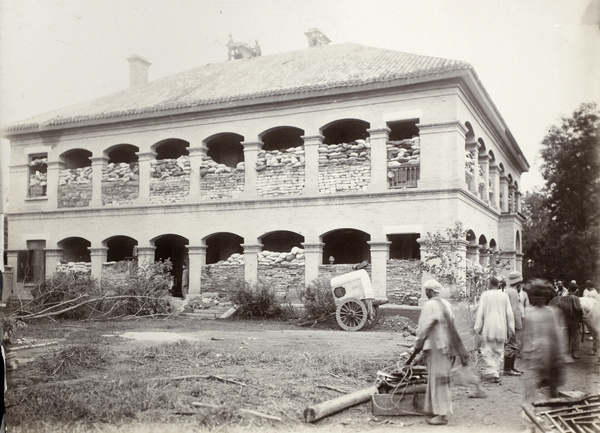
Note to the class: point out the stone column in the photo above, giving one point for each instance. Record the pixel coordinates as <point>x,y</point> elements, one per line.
<point>504,193</point>
<point>251,149</point>
<point>484,257</point>
<point>442,155</point>
<point>98,163</point>
<point>53,169</point>
<point>197,155</point>
<point>311,163</point>
<point>251,261</point>
<point>145,255</point>
<point>511,198</point>
<point>473,253</point>
<point>380,253</point>
<point>197,259</point>
<point>378,139</point>
<point>517,200</point>
<point>144,159</point>
<point>473,148</point>
<point>12,262</point>
<point>53,256</point>
<point>519,262</point>
<point>484,162</point>
<point>313,254</point>
<point>511,258</point>
<point>495,176</point>
<point>98,256</point>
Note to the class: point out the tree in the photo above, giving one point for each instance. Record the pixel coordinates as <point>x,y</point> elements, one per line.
<point>567,216</point>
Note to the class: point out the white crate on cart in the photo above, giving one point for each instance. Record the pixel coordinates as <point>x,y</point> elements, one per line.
<point>355,284</point>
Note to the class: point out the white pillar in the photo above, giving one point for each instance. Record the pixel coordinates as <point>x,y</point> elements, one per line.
<point>378,139</point>
<point>504,193</point>
<point>251,261</point>
<point>98,256</point>
<point>98,163</point>
<point>197,259</point>
<point>473,148</point>
<point>52,171</point>
<point>196,157</point>
<point>145,255</point>
<point>144,159</point>
<point>311,163</point>
<point>313,253</point>
<point>379,258</point>
<point>251,149</point>
<point>484,162</point>
<point>442,155</point>
<point>495,176</point>
<point>53,256</point>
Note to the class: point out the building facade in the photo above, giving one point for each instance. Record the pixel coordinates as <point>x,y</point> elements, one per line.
<point>297,162</point>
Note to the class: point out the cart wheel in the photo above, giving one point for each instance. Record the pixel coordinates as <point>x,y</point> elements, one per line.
<point>375,320</point>
<point>351,315</point>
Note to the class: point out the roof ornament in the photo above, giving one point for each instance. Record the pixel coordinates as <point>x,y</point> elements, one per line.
<point>316,38</point>
<point>241,50</point>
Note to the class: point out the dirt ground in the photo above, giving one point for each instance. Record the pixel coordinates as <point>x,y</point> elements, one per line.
<point>499,412</point>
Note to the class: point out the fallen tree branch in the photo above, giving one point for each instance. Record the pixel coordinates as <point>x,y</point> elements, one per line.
<point>313,322</point>
<point>332,389</point>
<point>247,411</point>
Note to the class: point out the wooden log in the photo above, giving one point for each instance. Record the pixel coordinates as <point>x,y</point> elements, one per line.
<point>322,410</point>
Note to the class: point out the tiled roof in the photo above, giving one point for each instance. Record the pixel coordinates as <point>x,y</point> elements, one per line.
<point>327,67</point>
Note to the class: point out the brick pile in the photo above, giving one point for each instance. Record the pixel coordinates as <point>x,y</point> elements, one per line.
<point>76,194</point>
<point>120,193</point>
<point>74,267</point>
<point>169,189</point>
<point>402,153</point>
<point>74,175</point>
<point>220,181</point>
<point>121,171</point>
<point>403,282</point>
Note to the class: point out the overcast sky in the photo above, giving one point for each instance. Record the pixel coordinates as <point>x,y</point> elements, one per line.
<point>535,58</point>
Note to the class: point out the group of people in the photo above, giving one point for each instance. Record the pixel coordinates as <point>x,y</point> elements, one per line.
<point>509,325</point>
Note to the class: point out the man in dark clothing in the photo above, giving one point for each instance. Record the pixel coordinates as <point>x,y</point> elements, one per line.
<point>573,314</point>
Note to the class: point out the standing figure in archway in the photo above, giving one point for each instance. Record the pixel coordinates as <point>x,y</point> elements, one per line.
<point>185,280</point>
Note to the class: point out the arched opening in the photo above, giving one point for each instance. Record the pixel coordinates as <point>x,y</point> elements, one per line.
<point>282,138</point>
<point>226,149</point>
<point>120,248</point>
<point>405,246</point>
<point>122,153</point>
<point>76,158</point>
<point>346,246</point>
<point>75,249</point>
<point>470,237</point>
<point>518,242</point>
<point>403,129</point>
<point>483,242</point>
<point>171,148</point>
<point>345,131</point>
<point>172,247</point>
<point>220,246</point>
<point>493,245</point>
<point>281,241</point>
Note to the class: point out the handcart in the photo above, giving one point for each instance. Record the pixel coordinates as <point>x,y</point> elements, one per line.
<point>357,306</point>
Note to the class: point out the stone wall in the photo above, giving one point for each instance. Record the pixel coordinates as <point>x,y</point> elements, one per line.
<point>120,192</point>
<point>214,186</point>
<point>74,195</point>
<point>344,167</point>
<point>83,268</point>
<point>221,277</point>
<point>280,172</point>
<point>327,272</point>
<point>403,282</point>
<point>284,280</point>
<point>169,189</point>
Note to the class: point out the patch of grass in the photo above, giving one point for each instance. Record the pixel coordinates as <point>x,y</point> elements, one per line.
<point>73,361</point>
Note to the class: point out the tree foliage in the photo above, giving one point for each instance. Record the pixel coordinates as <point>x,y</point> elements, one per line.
<point>562,232</point>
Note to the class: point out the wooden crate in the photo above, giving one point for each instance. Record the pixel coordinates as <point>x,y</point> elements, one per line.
<point>398,404</point>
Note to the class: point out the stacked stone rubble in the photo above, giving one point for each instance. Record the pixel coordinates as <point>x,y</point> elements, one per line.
<point>74,267</point>
<point>344,167</point>
<point>220,181</point>
<point>169,180</point>
<point>280,172</point>
<point>123,172</point>
<point>404,153</point>
<point>75,175</point>
<point>355,152</point>
<point>273,258</point>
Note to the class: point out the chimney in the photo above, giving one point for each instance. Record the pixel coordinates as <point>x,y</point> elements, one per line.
<point>316,38</point>
<point>138,71</point>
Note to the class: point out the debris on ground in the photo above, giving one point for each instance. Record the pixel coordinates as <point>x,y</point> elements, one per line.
<point>398,324</point>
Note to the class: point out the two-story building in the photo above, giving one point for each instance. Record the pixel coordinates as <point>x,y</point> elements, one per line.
<point>268,166</point>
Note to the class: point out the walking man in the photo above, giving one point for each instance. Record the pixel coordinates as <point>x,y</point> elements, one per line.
<point>573,314</point>
<point>494,323</point>
<point>437,336</point>
<point>513,344</point>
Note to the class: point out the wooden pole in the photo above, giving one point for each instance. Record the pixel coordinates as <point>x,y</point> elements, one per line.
<point>322,410</point>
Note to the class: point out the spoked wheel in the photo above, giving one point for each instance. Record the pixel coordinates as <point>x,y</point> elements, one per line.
<point>372,322</point>
<point>351,315</point>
